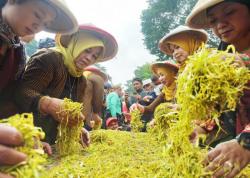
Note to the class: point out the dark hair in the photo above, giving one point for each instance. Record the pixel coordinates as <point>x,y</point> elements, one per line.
<point>107,85</point>
<point>154,78</point>
<point>137,79</point>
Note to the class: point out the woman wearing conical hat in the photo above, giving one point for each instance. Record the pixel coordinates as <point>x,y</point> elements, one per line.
<point>229,21</point>
<point>57,73</point>
<point>19,18</point>
<point>179,43</point>
<point>182,42</point>
<point>167,73</point>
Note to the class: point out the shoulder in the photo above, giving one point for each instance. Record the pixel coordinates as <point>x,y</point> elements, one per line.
<point>47,58</point>
<point>111,95</point>
<point>47,55</point>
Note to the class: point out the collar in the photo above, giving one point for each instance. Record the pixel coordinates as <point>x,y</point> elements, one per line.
<point>8,35</point>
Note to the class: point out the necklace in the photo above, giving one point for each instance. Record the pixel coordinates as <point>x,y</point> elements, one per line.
<point>71,87</point>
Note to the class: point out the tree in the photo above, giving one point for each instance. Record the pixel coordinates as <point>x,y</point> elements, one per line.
<point>129,87</point>
<point>160,18</point>
<point>144,71</point>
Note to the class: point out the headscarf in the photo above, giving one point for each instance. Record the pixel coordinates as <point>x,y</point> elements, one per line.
<point>169,92</point>
<point>186,41</point>
<point>79,42</point>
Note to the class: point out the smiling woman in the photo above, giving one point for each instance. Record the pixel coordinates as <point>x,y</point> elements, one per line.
<point>229,20</point>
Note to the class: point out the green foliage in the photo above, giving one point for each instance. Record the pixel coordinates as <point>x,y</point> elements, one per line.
<point>160,18</point>
<point>144,71</point>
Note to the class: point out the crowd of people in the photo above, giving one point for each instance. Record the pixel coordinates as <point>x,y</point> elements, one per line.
<point>65,71</point>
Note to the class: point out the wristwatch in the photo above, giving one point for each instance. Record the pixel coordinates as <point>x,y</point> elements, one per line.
<point>244,140</point>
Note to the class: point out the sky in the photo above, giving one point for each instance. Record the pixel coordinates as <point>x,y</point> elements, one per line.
<point>122,19</point>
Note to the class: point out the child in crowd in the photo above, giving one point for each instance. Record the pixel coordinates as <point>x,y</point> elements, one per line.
<point>148,87</point>
<point>112,123</point>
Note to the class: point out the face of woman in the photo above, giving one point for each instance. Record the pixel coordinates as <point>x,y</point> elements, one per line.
<point>230,21</point>
<point>165,77</point>
<point>87,57</point>
<point>29,17</point>
<point>179,54</point>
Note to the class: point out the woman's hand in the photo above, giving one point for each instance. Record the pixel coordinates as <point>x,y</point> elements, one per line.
<point>47,149</point>
<point>239,59</point>
<point>152,123</point>
<point>137,106</point>
<point>97,121</point>
<point>147,98</point>
<point>10,137</point>
<point>52,106</point>
<point>194,136</point>
<point>227,159</point>
<point>85,138</point>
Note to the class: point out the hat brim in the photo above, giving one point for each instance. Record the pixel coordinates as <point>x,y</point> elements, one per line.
<point>194,33</point>
<point>198,16</point>
<point>65,22</point>
<point>110,120</point>
<point>97,71</point>
<point>167,65</point>
<point>110,43</point>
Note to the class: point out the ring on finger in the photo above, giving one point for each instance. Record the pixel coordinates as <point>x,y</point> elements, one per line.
<point>228,164</point>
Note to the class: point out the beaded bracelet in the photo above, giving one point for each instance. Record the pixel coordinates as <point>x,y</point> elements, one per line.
<point>245,58</point>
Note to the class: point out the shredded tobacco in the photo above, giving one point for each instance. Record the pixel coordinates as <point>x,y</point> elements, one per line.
<point>164,116</point>
<point>136,123</point>
<point>115,154</point>
<point>68,138</point>
<point>209,85</point>
<point>32,147</point>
